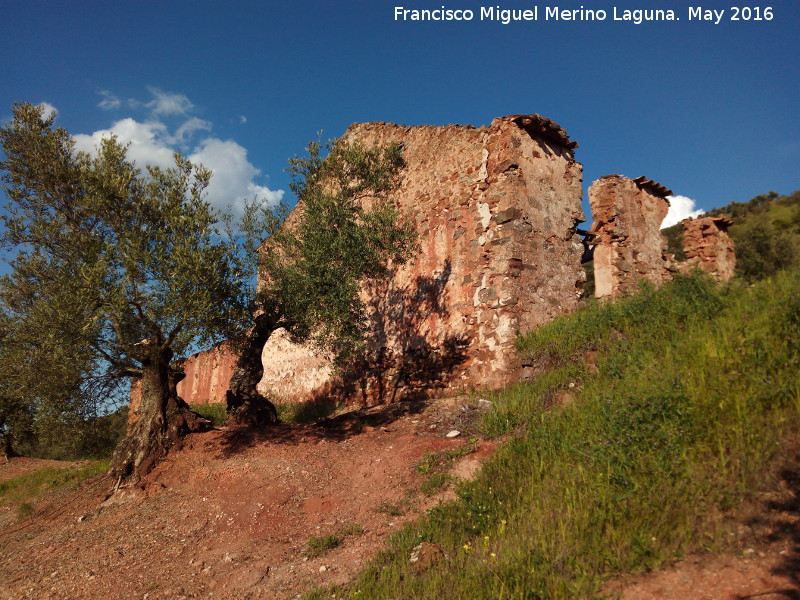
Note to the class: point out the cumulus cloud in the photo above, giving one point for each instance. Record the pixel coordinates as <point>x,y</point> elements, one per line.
<point>155,138</point>
<point>233,175</point>
<point>49,110</point>
<point>680,208</point>
<point>146,141</point>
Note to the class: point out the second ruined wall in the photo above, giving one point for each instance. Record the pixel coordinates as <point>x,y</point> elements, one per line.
<point>626,234</point>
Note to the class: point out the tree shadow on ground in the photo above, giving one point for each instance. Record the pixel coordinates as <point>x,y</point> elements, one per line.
<point>341,427</point>
<point>783,521</point>
<point>409,358</point>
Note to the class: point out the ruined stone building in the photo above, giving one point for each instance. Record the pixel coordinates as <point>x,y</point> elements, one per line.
<point>496,209</point>
<point>628,245</point>
<point>707,245</point>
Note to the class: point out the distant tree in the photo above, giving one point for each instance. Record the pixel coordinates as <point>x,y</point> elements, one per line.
<point>345,231</point>
<point>115,274</point>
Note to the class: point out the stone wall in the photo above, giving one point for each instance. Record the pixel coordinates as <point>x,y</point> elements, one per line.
<point>207,375</point>
<point>707,245</point>
<point>496,210</point>
<point>628,244</point>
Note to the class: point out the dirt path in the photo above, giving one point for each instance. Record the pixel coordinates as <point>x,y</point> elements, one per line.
<point>231,514</point>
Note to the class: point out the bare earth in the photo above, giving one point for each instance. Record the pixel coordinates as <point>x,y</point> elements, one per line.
<point>229,516</point>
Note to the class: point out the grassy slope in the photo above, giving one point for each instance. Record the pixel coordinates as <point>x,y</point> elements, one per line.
<point>696,387</point>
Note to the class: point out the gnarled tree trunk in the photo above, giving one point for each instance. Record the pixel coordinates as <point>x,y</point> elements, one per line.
<point>163,418</point>
<point>246,406</point>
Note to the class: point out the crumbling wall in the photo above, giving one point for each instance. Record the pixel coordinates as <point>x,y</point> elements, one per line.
<point>207,375</point>
<point>628,244</point>
<point>496,210</point>
<point>707,245</point>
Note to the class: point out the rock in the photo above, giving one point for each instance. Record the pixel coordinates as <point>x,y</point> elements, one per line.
<point>454,433</point>
<point>424,556</point>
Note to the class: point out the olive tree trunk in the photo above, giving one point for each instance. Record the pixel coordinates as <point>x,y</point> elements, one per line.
<point>163,418</point>
<point>245,404</point>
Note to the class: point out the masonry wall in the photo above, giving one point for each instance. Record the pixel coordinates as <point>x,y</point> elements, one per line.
<point>208,375</point>
<point>707,245</point>
<point>628,244</point>
<point>496,210</point>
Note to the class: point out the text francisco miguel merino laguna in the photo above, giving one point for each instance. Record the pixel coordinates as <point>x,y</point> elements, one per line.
<point>554,13</point>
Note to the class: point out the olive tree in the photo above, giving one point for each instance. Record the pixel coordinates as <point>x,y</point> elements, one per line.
<point>116,273</point>
<point>122,273</point>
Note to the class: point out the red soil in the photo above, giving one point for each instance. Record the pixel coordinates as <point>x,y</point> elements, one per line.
<point>229,517</point>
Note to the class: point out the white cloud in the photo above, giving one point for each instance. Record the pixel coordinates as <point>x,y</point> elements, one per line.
<point>186,131</point>
<point>242,119</point>
<point>147,144</point>
<point>109,101</point>
<point>49,110</point>
<point>680,208</point>
<point>167,103</point>
<point>152,141</point>
<point>234,176</point>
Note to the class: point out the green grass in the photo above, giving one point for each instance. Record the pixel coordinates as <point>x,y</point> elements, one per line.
<point>216,413</point>
<point>697,387</point>
<point>303,413</point>
<point>24,489</point>
<point>320,544</point>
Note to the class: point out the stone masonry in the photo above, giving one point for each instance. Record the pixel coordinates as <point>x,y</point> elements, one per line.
<point>708,246</point>
<point>628,244</point>
<point>496,209</point>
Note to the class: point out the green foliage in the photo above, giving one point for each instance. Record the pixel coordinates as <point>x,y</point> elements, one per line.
<point>113,271</point>
<point>216,413</point>
<point>320,544</point>
<point>762,248</point>
<point>347,230</point>
<point>303,413</point>
<point>639,468</point>
<point>766,232</point>
<point>435,483</point>
<point>674,235</point>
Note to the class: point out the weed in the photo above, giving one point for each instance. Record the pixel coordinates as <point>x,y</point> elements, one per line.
<point>24,510</point>
<point>391,509</point>
<point>435,483</point>
<point>320,544</point>
<point>29,486</point>
<point>697,384</point>
<point>429,462</point>
<point>305,412</point>
<point>351,529</point>
<point>216,413</point>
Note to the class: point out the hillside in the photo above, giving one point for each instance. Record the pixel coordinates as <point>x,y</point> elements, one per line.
<point>619,458</point>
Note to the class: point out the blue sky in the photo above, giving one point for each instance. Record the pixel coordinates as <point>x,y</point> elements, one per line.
<point>709,110</point>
